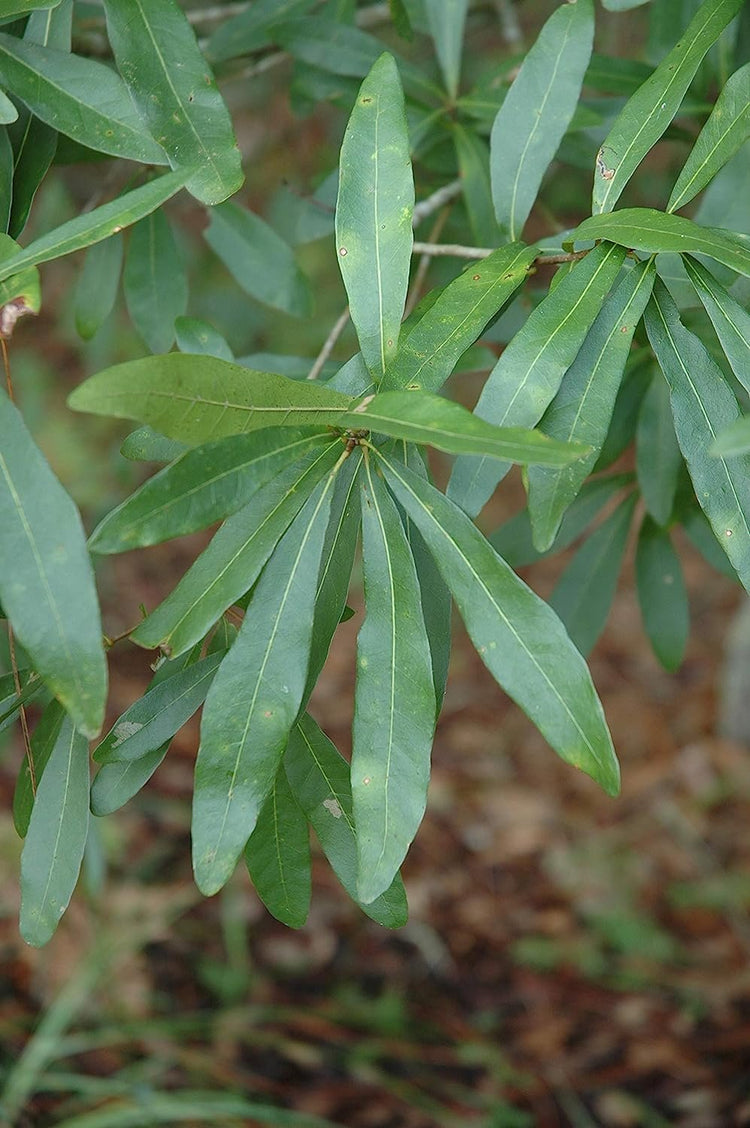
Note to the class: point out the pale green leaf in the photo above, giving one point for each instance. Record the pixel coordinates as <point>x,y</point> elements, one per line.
<point>730,320</point>
<point>116,783</point>
<point>154,281</point>
<point>196,336</point>
<point>473,155</point>
<point>147,445</point>
<point>278,855</point>
<point>446,19</point>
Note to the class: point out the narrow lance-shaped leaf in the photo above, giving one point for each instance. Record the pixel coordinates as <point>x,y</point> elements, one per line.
<point>252,28</point>
<point>582,409</point>
<point>233,561</point>
<point>537,110</point>
<point>46,584</point>
<point>473,155</point>
<point>79,97</point>
<point>429,353</point>
<point>115,784</point>
<point>662,595</point>
<point>154,281</point>
<point>95,225</point>
<point>518,637</point>
<point>43,740</point>
<point>703,405</point>
<point>319,777</point>
<point>658,458</point>
<point>643,229</point>
<point>726,130</point>
<point>98,284</point>
<point>446,19</point>
<point>197,398</point>
<point>528,374</point>
<point>203,485</point>
<point>650,110</point>
<point>255,698</point>
<point>730,320</point>
<point>394,700</point>
<point>584,593</point>
<point>176,93</point>
<point>374,212</point>
<point>278,855</point>
<point>56,837</point>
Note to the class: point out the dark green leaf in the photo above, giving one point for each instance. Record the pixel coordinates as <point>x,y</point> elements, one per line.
<point>98,284</point>
<point>701,536</point>
<point>154,281</point>
<point>374,213</point>
<point>662,595</point>
<point>175,91</point>
<point>319,777</point>
<point>528,374</point>
<point>256,696</point>
<point>56,837</point>
<point>621,432</point>
<point>536,112</point>
<point>658,458</point>
<point>278,855</point>
<point>117,782</point>
<point>703,405</point>
<point>6,178</point>
<point>730,320</point>
<point>47,586</point>
<point>518,637</point>
<point>650,110</point>
<point>43,740</point>
<point>446,19</point>
<point>473,154</point>
<point>252,29</point>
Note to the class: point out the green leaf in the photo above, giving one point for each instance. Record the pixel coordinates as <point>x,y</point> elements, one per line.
<point>423,418</point>
<point>98,284</point>
<point>252,29</point>
<point>93,226</point>
<point>116,783</point>
<point>658,458</point>
<point>446,19</point>
<point>6,178</point>
<point>536,112</point>
<point>650,110</point>
<point>319,777</point>
<point>374,213</point>
<point>43,740</point>
<point>518,637</point>
<point>154,281</point>
<point>278,855</point>
<point>23,7</point>
<point>147,445</point>
<point>430,352</point>
<point>733,440</point>
<point>394,701</point>
<point>584,593</point>
<point>197,398</point>
<point>703,405</point>
<point>47,586</point>
<point>256,696</point>
<point>643,229</point>
<point>730,320</point>
<point>196,336</point>
<point>622,428</point>
<point>701,536</point>
<point>473,155</point>
<point>79,97</point>
<point>203,485</point>
<point>662,595</point>
<point>56,837</point>
<point>258,259</point>
<point>726,130</point>
<point>233,560</point>
<point>19,294</point>
<point>173,87</point>
<point>528,374</point>
<point>582,409</point>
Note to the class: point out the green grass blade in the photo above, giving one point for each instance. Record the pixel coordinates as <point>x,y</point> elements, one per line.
<point>277,855</point>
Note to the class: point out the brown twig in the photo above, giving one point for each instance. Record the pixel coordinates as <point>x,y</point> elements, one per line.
<point>424,263</point>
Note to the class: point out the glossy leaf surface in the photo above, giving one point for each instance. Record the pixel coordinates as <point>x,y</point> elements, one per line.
<point>278,855</point>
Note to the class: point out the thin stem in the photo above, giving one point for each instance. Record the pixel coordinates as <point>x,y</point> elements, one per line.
<point>329,345</point>
<point>436,201</point>
<point>424,263</point>
<point>457,250</point>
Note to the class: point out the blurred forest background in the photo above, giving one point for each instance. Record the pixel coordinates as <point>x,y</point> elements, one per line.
<point>570,959</point>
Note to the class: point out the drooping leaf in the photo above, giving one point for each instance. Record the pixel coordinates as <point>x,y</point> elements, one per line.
<point>319,777</point>
<point>643,229</point>
<point>233,560</point>
<point>703,405</point>
<point>79,97</point>
<point>154,281</point>
<point>584,593</point>
<point>117,782</point>
<point>259,259</point>
<point>252,29</point>
<point>582,409</point>
<point>650,110</point>
<point>446,19</point>
<point>730,320</point>
<point>536,112</point>
<point>56,837</point>
<point>42,742</point>
<point>394,701</point>
<point>256,696</point>
<point>203,485</point>
<point>658,459</point>
<point>196,336</point>
<point>529,372</point>
<point>93,226</point>
<point>374,212</point>
<point>198,398</point>
<point>173,87</point>
<point>726,130</point>
<point>98,284</point>
<point>430,352</point>
<point>46,583</point>
<point>662,595</point>
<point>278,855</point>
